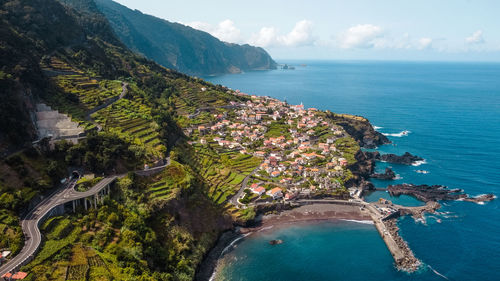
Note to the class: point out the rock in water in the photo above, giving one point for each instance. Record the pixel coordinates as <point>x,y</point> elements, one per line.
<point>405,159</point>
<point>428,193</point>
<point>276,242</point>
<point>388,175</point>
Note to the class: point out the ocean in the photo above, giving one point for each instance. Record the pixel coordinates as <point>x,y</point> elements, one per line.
<point>452,113</point>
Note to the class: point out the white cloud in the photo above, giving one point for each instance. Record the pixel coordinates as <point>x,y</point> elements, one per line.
<point>362,36</point>
<point>424,43</point>
<point>224,31</point>
<point>403,42</point>
<point>267,36</point>
<point>368,36</point>
<point>301,35</point>
<point>475,38</point>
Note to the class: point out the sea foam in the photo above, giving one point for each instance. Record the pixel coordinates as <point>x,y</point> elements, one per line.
<point>418,163</point>
<point>234,242</point>
<point>398,135</point>
<point>360,221</point>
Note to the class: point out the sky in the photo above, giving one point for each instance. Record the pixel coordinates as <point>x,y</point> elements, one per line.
<point>425,30</point>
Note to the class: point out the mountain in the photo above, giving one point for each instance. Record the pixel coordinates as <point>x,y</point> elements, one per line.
<point>181,47</point>
<point>64,54</point>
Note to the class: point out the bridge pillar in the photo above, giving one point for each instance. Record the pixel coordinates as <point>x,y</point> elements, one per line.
<point>85,203</point>
<point>74,206</point>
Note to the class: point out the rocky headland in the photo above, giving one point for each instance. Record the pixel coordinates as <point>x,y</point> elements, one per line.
<point>405,159</point>
<point>427,193</point>
<point>360,129</point>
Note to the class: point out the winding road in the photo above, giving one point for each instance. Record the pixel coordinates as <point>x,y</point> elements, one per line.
<point>30,223</point>
<point>108,102</point>
<point>65,194</point>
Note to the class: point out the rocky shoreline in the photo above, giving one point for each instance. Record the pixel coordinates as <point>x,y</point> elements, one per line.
<point>387,175</point>
<point>427,193</point>
<point>360,129</point>
<point>207,267</point>
<point>285,214</point>
<point>405,159</point>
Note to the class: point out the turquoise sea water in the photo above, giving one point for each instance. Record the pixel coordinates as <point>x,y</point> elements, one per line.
<point>452,111</point>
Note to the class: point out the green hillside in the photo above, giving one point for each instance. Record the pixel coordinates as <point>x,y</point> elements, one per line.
<point>181,47</point>
<point>71,60</point>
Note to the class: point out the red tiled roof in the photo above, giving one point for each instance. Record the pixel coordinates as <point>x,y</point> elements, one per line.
<point>19,275</point>
<point>275,190</point>
<point>260,189</point>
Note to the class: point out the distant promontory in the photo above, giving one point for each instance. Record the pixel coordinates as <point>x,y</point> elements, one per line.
<point>181,47</point>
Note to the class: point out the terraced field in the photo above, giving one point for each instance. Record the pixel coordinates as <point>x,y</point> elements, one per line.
<point>55,65</point>
<point>224,171</point>
<point>89,91</point>
<point>75,262</point>
<point>160,190</point>
<point>191,98</point>
<point>77,92</point>
<point>168,183</point>
<point>132,119</point>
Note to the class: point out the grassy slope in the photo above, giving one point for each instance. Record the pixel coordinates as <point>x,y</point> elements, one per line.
<point>77,72</point>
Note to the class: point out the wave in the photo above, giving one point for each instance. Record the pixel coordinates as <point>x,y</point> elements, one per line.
<point>398,135</point>
<point>234,242</point>
<point>437,273</point>
<point>422,172</point>
<point>421,220</point>
<point>418,163</point>
<point>377,128</point>
<point>360,221</point>
<point>265,228</point>
<point>480,195</point>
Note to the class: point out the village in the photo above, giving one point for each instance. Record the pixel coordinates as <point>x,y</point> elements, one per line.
<point>303,153</point>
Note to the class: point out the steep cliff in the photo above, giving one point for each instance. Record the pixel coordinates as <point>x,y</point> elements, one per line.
<point>181,47</point>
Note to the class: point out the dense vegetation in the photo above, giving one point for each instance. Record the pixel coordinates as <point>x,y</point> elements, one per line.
<point>181,47</point>
<point>151,228</point>
<point>129,238</point>
<point>65,54</point>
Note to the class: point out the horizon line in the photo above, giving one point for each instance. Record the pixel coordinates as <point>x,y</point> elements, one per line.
<point>386,60</point>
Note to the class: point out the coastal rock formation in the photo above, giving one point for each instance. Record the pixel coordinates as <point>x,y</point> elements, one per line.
<point>425,192</point>
<point>418,212</point>
<point>428,193</point>
<point>361,169</point>
<point>365,165</point>
<point>480,198</point>
<point>360,129</point>
<point>405,159</point>
<point>387,175</point>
